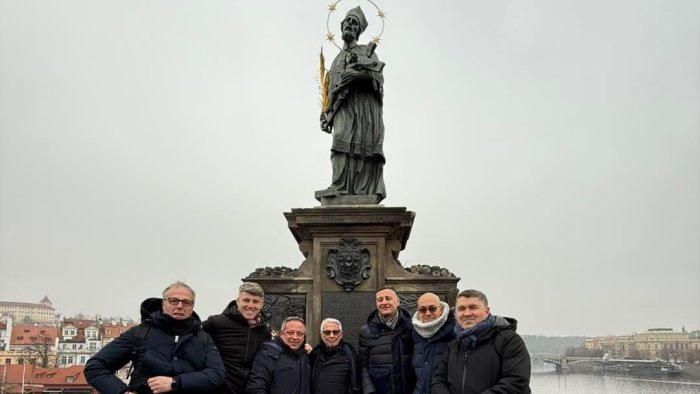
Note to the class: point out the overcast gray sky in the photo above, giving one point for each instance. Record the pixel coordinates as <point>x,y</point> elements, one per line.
<point>550,150</point>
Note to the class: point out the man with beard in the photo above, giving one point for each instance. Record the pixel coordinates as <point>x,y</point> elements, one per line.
<point>434,328</point>
<point>282,365</point>
<point>335,367</point>
<point>168,350</point>
<point>487,355</point>
<point>354,116</point>
<point>386,347</point>
<point>238,333</point>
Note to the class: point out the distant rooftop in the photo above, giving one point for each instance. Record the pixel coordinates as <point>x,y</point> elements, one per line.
<point>24,304</point>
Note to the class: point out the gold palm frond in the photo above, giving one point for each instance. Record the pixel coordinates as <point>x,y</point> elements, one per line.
<point>323,82</point>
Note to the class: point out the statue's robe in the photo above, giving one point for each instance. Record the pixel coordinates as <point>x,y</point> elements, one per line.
<point>358,129</point>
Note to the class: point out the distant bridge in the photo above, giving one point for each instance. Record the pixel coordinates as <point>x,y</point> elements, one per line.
<point>560,361</point>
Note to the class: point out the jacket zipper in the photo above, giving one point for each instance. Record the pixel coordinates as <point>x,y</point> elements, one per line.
<point>247,343</point>
<point>464,371</point>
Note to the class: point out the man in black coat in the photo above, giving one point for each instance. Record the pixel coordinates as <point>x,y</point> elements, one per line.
<point>335,366</point>
<point>238,332</point>
<point>282,365</point>
<point>386,347</point>
<point>169,351</point>
<point>487,355</point>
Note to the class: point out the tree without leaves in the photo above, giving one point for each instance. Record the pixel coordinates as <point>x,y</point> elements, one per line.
<point>40,350</point>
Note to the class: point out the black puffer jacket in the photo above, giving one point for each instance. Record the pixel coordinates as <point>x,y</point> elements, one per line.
<point>190,356</point>
<point>335,371</point>
<point>386,354</point>
<point>278,369</point>
<point>499,363</point>
<point>237,342</point>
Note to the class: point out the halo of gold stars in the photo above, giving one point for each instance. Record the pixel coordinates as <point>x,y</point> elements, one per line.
<point>333,7</point>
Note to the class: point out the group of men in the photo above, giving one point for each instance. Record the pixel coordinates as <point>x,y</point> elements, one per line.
<point>434,351</point>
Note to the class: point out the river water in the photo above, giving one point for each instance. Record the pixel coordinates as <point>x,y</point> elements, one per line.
<point>578,383</point>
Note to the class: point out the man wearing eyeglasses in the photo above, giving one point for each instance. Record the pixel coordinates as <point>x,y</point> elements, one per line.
<point>434,328</point>
<point>281,366</point>
<point>238,332</point>
<point>335,367</point>
<point>386,347</point>
<point>168,351</point>
<point>487,355</point>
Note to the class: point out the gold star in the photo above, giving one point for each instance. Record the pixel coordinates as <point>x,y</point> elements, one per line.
<point>376,40</point>
<point>330,36</point>
<point>381,14</point>
<point>331,7</point>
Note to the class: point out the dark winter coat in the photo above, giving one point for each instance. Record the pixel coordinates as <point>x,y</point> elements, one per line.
<point>237,342</point>
<point>427,353</point>
<point>385,355</point>
<point>499,363</point>
<point>190,358</point>
<point>335,371</point>
<point>277,369</point>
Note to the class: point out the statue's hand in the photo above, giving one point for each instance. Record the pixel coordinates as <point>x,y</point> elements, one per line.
<point>325,126</point>
<point>351,75</point>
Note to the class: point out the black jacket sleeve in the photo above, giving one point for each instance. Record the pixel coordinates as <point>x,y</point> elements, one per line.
<point>515,367</point>
<point>261,374</point>
<point>100,368</point>
<point>439,384</point>
<point>211,377</point>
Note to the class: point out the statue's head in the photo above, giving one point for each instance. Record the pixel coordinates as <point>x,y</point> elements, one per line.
<point>353,25</point>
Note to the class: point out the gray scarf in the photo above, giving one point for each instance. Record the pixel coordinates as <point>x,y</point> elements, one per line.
<point>389,321</point>
<point>427,330</point>
<point>469,336</point>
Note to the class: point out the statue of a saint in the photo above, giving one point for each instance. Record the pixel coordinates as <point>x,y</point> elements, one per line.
<point>354,117</point>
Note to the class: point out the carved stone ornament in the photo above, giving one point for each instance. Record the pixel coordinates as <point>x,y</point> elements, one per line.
<point>348,264</point>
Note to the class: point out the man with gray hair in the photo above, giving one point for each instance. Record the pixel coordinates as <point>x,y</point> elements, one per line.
<point>238,332</point>
<point>487,355</point>
<point>168,351</point>
<point>335,367</point>
<point>282,365</point>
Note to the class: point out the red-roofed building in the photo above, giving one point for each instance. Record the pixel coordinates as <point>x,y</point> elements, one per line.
<point>23,335</point>
<point>15,378</point>
<point>113,331</point>
<point>31,344</point>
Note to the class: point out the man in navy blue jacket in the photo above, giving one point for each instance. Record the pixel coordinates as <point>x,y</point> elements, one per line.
<point>434,325</point>
<point>169,351</point>
<point>282,365</point>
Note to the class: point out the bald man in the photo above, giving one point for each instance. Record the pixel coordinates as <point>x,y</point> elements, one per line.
<point>386,347</point>
<point>434,325</point>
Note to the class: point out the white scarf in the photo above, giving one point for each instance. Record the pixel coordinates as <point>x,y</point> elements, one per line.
<point>427,330</point>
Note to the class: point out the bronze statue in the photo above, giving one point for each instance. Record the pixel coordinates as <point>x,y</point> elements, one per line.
<point>353,116</point>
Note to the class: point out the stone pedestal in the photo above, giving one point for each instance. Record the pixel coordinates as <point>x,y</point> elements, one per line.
<point>350,252</point>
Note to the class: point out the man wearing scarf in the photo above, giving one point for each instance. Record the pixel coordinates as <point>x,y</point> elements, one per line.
<point>386,348</point>
<point>169,351</point>
<point>282,365</point>
<point>434,328</point>
<point>335,366</point>
<point>487,355</point>
<point>238,332</point>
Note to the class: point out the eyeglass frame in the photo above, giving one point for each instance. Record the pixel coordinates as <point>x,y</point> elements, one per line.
<point>430,308</point>
<point>329,332</point>
<point>174,301</point>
